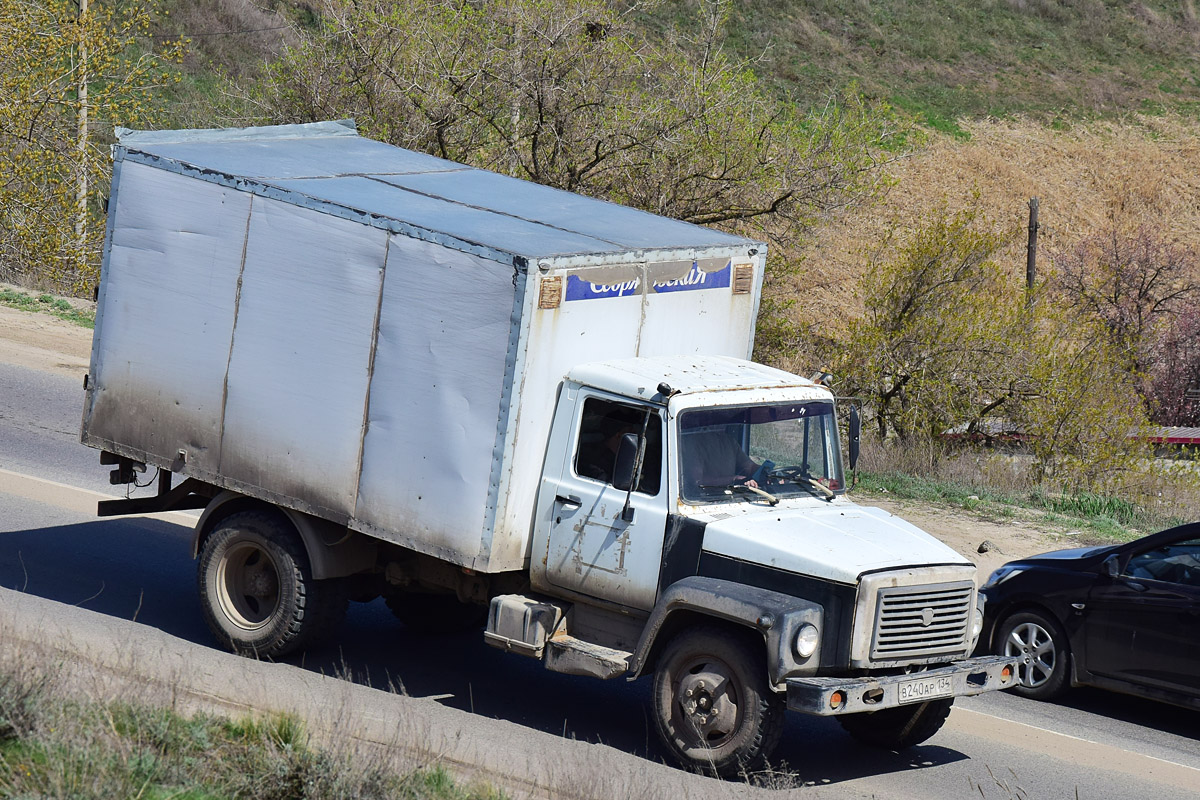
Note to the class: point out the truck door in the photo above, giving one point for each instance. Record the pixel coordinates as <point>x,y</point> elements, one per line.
<point>591,549</point>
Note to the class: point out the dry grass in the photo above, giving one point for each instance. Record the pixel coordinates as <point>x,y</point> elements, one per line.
<point>1143,172</point>
<point>56,743</point>
<point>998,483</point>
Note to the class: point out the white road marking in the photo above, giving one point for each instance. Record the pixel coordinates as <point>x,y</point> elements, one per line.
<point>73,498</point>
<point>1077,750</point>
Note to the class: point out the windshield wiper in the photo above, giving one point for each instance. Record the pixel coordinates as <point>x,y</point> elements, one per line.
<point>732,487</point>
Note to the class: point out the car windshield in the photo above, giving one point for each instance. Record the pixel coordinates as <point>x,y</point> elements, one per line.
<point>783,449</point>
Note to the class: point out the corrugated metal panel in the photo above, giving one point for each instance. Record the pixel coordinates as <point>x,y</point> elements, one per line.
<point>165,317</point>
<point>299,367</point>
<point>1178,436</point>
<point>436,393</point>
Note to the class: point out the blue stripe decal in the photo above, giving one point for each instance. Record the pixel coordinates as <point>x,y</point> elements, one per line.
<point>696,279</point>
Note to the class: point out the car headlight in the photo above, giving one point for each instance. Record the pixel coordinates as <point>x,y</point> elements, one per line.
<point>1001,575</point>
<point>806,640</point>
<point>977,624</point>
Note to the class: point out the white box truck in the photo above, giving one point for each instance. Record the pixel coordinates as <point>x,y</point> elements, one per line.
<point>496,403</point>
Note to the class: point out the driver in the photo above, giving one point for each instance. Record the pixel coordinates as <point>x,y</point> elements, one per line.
<point>716,459</point>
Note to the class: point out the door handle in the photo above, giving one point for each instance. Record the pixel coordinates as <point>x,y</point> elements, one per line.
<point>569,500</point>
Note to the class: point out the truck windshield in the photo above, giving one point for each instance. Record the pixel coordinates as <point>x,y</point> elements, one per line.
<point>784,449</point>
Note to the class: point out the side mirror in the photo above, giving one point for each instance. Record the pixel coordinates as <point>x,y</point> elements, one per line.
<point>625,462</point>
<point>1111,566</point>
<point>855,435</point>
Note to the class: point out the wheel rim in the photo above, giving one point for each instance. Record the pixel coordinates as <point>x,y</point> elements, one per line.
<point>707,707</point>
<point>247,584</point>
<point>1037,656</point>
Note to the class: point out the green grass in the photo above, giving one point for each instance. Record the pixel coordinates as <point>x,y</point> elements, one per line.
<point>48,304</point>
<point>1103,517</point>
<point>946,60</point>
<point>54,747</point>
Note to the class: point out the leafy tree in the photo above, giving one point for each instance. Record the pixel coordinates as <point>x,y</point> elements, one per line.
<point>1174,386</point>
<point>935,345</point>
<point>1084,418</point>
<point>569,93</point>
<point>53,136</point>
<point>1132,283</point>
<point>947,340</point>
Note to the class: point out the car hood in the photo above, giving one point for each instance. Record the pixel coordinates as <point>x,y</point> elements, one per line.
<point>837,542</point>
<point>1071,554</point>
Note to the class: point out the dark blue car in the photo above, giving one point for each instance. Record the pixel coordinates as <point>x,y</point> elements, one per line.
<point>1123,617</point>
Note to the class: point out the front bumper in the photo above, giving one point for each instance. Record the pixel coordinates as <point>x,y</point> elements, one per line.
<point>834,696</point>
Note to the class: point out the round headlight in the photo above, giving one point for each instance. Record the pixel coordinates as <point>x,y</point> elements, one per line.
<point>806,640</point>
<point>977,623</point>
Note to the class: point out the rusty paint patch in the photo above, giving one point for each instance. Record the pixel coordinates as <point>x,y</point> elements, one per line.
<point>550,292</point>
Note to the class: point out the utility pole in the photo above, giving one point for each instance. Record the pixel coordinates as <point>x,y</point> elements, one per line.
<point>81,146</point>
<point>1031,253</point>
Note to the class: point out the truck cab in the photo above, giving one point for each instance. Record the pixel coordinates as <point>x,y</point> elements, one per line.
<point>693,521</point>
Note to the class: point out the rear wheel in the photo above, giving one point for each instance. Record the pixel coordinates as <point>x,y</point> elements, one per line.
<point>900,727</point>
<point>1041,650</point>
<point>257,591</point>
<point>713,708</point>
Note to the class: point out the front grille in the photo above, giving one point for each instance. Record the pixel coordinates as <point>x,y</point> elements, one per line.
<point>914,621</point>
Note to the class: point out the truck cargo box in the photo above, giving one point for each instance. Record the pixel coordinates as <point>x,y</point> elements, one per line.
<point>375,336</point>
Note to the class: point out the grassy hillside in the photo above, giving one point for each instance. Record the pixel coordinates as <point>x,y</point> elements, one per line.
<point>1059,60</point>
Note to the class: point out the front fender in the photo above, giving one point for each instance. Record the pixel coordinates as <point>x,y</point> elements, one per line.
<point>776,616</point>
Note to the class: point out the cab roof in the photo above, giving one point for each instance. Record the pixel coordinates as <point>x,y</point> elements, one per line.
<point>686,374</point>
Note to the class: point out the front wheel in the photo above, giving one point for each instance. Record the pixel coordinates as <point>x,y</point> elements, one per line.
<point>713,708</point>
<point>900,727</point>
<point>257,591</point>
<point>1042,652</point>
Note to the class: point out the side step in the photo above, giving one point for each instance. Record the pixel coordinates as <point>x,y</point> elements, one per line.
<point>577,657</point>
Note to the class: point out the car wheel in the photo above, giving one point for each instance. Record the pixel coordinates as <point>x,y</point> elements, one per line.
<point>713,708</point>
<point>1041,650</point>
<point>257,591</point>
<point>898,728</point>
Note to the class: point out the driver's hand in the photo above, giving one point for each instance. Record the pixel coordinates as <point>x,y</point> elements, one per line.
<point>753,484</point>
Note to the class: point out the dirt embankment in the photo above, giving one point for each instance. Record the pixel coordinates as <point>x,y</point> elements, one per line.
<point>42,342</point>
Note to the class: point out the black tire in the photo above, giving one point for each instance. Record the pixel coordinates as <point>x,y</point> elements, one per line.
<point>702,673</point>
<point>257,591</point>
<point>436,613</point>
<point>1042,650</point>
<point>900,727</point>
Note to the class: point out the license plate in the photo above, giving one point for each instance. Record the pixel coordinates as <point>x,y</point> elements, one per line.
<point>923,689</point>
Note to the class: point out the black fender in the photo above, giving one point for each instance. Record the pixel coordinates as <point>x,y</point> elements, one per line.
<point>777,617</point>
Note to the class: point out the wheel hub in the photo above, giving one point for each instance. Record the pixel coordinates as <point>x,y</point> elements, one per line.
<point>708,705</point>
<point>1033,646</point>
<point>261,582</point>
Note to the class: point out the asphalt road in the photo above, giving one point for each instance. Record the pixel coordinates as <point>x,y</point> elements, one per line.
<point>1091,745</point>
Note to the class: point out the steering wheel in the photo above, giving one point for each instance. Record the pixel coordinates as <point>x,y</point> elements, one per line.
<point>791,473</point>
<point>802,476</point>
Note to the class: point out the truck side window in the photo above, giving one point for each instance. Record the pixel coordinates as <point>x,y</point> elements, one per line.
<point>604,422</point>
